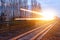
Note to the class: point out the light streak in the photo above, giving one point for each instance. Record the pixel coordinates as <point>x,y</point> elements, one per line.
<point>31,11</point>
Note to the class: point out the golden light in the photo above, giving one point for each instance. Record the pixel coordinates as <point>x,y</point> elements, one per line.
<point>30,11</point>
<point>48,14</point>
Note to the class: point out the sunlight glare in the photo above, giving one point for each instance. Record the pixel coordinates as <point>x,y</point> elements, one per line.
<point>48,14</point>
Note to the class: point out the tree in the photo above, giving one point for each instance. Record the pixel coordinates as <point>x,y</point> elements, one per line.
<point>35,7</point>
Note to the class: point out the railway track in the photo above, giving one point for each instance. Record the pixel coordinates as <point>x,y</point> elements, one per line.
<point>35,34</point>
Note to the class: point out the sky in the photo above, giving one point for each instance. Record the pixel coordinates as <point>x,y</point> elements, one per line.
<point>54,4</point>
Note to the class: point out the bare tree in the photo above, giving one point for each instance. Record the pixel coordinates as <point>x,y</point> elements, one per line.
<point>35,7</point>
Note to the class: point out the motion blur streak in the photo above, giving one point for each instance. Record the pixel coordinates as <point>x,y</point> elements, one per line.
<point>30,11</point>
<point>46,14</point>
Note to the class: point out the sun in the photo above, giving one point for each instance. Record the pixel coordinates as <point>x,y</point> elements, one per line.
<point>48,14</point>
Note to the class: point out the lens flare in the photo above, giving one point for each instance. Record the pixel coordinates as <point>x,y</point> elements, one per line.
<point>48,14</point>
